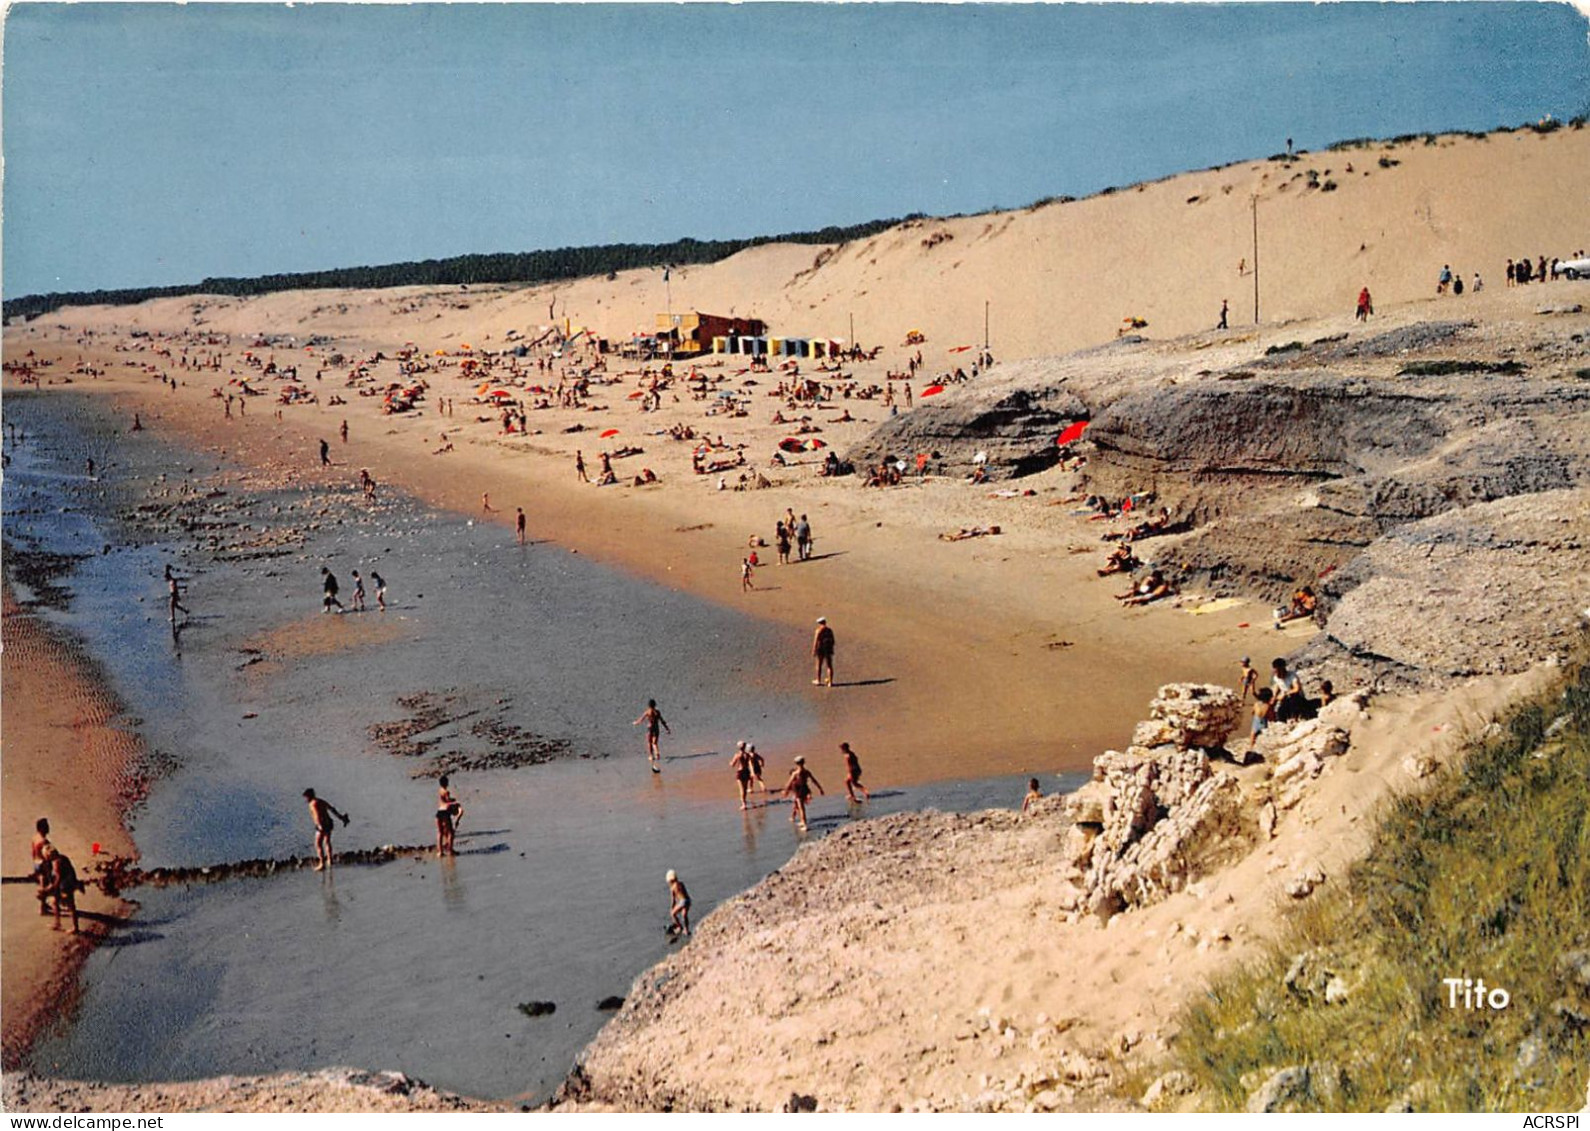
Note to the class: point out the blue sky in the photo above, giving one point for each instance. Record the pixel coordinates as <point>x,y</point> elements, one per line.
<point>148,144</point>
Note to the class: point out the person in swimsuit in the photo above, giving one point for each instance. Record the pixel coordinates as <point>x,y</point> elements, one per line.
<point>358,592</point>
<point>756,767</point>
<point>679,912</point>
<point>321,812</point>
<point>655,723</point>
<point>741,765</point>
<point>853,775</point>
<point>799,790</point>
<point>1250,680</point>
<point>328,585</point>
<point>62,883</point>
<point>1034,795</point>
<point>380,589</point>
<point>448,811</point>
<point>519,525</point>
<point>41,841</point>
<point>823,652</point>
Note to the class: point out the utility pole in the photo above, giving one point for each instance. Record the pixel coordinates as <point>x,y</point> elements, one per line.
<point>852,328</point>
<point>1255,259</point>
<point>985,325</point>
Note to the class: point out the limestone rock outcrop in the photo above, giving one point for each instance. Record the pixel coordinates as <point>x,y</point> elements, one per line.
<point>1158,814</point>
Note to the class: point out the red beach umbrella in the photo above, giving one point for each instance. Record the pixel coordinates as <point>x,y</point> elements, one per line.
<point>610,432</point>
<point>932,390</point>
<point>636,395</point>
<point>790,444</point>
<point>959,349</point>
<point>1072,434</point>
<point>813,444</point>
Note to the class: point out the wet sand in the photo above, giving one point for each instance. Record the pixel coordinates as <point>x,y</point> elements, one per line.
<point>65,758</point>
<point>556,893</point>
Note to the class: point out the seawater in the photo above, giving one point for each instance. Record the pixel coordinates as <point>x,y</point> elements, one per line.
<point>557,893</point>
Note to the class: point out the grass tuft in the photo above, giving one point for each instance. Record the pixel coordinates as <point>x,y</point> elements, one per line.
<point>1484,875</point>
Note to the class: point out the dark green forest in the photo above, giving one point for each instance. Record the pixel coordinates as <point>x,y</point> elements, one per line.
<point>528,267</point>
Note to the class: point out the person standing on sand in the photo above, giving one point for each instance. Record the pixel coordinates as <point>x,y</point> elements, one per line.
<point>41,842</point>
<point>518,524</point>
<point>62,883</point>
<point>799,790</point>
<point>174,597</point>
<point>741,765</point>
<point>654,721</point>
<point>803,538</point>
<point>325,454</point>
<point>321,812</point>
<point>579,466</point>
<point>485,503</point>
<point>679,909</point>
<point>329,589</point>
<point>781,538</point>
<point>380,589</point>
<point>343,431</point>
<point>745,576</point>
<point>1365,306</point>
<point>1225,310</point>
<point>448,811</point>
<point>853,775</point>
<point>1250,680</point>
<point>823,651</point>
<point>358,592</point>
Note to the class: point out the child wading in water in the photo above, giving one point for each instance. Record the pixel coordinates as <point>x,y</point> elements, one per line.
<point>679,913</point>
<point>799,790</point>
<point>654,721</point>
<point>853,775</point>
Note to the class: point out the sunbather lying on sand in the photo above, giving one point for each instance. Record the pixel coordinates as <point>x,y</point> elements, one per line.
<point>1151,588</point>
<point>973,532</point>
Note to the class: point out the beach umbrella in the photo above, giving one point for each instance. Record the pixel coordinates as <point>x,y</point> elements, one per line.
<point>636,395</point>
<point>790,444</point>
<point>932,390</point>
<point>610,432</point>
<point>480,392</point>
<point>959,349</point>
<point>1072,434</point>
<point>814,443</point>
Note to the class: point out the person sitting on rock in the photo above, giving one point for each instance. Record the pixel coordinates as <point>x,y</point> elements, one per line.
<point>1303,605</point>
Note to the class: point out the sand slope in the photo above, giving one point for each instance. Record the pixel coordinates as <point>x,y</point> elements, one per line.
<point>1060,276</point>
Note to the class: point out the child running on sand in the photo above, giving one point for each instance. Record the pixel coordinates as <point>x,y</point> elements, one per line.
<point>321,812</point>
<point>799,790</point>
<point>380,589</point>
<point>679,912</point>
<point>1034,795</point>
<point>853,775</point>
<point>653,719</point>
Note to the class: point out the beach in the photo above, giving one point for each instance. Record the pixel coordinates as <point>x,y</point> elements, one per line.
<point>964,664</point>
